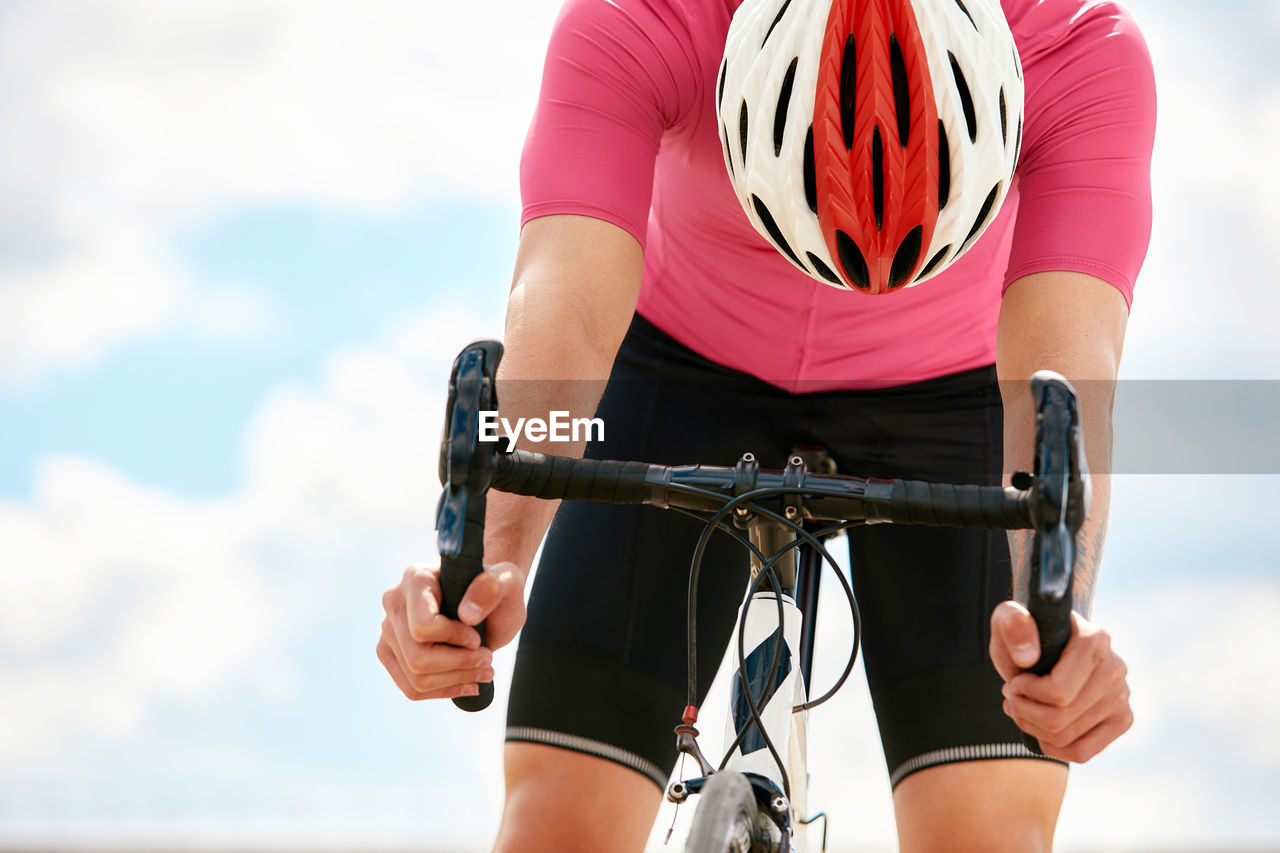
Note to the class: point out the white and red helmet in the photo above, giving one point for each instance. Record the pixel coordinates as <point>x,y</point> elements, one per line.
<point>871,141</point>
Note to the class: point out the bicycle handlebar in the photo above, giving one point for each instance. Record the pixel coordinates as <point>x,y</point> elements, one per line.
<point>706,488</point>
<point>1053,501</point>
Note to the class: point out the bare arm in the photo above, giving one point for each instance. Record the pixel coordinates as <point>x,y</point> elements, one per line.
<point>572,299</point>
<point>1074,324</point>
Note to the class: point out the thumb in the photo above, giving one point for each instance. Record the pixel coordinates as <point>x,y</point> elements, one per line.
<point>484,594</point>
<point>1015,629</point>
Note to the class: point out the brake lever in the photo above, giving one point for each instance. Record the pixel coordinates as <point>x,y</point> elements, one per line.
<point>466,470</point>
<point>1060,503</point>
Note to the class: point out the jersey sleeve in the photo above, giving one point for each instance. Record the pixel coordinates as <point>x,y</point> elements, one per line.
<point>618,73</point>
<point>1085,177</point>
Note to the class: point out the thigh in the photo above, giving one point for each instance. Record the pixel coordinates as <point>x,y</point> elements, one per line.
<point>927,593</point>
<point>601,667</point>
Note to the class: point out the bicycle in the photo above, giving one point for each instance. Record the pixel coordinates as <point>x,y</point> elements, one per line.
<point>754,801</point>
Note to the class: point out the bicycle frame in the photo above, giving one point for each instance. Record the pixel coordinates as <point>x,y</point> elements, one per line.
<point>775,646</point>
<point>761,635</point>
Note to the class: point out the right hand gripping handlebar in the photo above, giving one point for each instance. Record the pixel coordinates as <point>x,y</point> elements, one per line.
<point>466,469</point>
<point>1060,502</point>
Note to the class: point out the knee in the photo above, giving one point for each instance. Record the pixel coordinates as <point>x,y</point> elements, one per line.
<point>1009,835</point>
<point>986,806</point>
<point>993,832</point>
<point>564,801</point>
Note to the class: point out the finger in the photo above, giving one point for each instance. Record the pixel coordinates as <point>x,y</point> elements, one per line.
<point>389,661</point>
<point>440,685</point>
<point>432,658</point>
<point>428,658</point>
<point>483,595</point>
<point>1095,740</point>
<point>1087,652</point>
<point>1104,689</point>
<point>1061,727</point>
<point>443,680</point>
<point>430,666</point>
<point>392,665</point>
<point>1015,642</point>
<point>505,621</point>
<point>454,692</point>
<point>425,623</point>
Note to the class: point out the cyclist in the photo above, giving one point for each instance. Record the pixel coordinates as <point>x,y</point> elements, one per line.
<point>636,265</point>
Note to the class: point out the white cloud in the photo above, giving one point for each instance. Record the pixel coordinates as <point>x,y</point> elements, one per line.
<point>119,598</point>
<point>114,285</point>
<point>1207,278</point>
<point>230,313</point>
<point>128,121</point>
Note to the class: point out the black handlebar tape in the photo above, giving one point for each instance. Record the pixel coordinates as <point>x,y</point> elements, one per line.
<point>559,477</point>
<point>944,505</point>
<point>456,574</point>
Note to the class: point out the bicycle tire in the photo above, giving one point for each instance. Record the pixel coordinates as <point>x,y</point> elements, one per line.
<point>727,819</point>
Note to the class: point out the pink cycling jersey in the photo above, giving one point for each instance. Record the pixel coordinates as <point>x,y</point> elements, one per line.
<point>625,131</point>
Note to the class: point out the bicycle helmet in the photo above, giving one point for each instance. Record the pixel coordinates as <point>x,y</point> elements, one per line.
<point>871,141</point>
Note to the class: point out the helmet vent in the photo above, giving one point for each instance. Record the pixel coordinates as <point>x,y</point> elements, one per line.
<point>877,177</point>
<point>810,174</point>
<point>1017,144</point>
<point>728,155</point>
<point>967,15</point>
<point>982,214</point>
<point>848,80</point>
<point>724,68</point>
<point>901,93</point>
<point>966,99</point>
<point>937,259</point>
<point>775,232</point>
<point>742,131</point>
<point>1004,119</point>
<point>904,260</point>
<point>855,265</point>
<point>944,166</point>
<point>784,100</point>
<point>782,11</point>
<point>823,269</point>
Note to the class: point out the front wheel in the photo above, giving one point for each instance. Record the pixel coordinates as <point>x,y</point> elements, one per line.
<point>727,819</point>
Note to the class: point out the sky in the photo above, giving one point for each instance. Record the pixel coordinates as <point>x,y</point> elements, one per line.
<point>240,244</point>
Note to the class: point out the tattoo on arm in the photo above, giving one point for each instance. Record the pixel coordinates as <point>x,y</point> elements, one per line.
<point>1088,556</point>
<point>1020,543</point>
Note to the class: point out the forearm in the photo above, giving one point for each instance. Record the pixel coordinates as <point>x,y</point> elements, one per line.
<point>1019,450</point>
<point>572,298</point>
<point>516,524</point>
<point>1072,324</point>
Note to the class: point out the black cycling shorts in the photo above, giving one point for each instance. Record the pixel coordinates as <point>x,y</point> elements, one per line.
<point>601,666</point>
